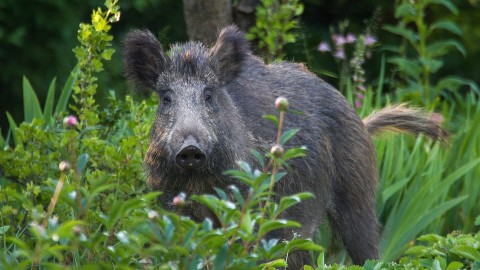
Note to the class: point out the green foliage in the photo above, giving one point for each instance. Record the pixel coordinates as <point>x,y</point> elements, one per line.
<point>275,23</point>
<point>99,214</point>
<point>421,54</point>
<point>33,110</point>
<point>95,43</point>
<point>455,251</point>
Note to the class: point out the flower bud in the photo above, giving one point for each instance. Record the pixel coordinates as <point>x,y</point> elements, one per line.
<point>277,151</point>
<point>281,104</point>
<point>64,166</point>
<point>153,215</point>
<point>179,200</point>
<point>70,121</point>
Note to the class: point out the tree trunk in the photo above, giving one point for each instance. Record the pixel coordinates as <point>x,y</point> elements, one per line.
<point>244,14</point>
<point>204,18</point>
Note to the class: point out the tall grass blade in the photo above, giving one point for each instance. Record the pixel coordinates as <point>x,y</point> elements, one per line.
<point>49,103</point>
<point>31,106</point>
<point>66,91</point>
<point>13,128</point>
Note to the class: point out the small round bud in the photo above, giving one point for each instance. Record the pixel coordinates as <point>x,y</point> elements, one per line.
<point>153,215</point>
<point>70,121</point>
<point>179,200</point>
<point>64,166</point>
<point>77,230</point>
<point>281,104</point>
<point>277,151</point>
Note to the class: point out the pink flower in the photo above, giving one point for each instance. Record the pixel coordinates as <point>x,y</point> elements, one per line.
<point>339,54</point>
<point>350,38</point>
<point>324,47</point>
<point>70,121</point>
<point>358,104</point>
<point>339,40</point>
<point>370,40</point>
<point>179,200</point>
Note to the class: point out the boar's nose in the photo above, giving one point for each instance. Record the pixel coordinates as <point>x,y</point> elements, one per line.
<point>190,156</point>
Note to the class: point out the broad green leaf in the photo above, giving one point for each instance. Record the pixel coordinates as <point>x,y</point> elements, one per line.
<point>287,135</point>
<point>221,258</point>
<point>48,109</point>
<point>31,106</point>
<point>272,118</point>
<point>454,266</point>
<point>271,225</point>
<point>4,229</point>
<point>467,252</point>
<point>278,263</point>
<point>82,163</point>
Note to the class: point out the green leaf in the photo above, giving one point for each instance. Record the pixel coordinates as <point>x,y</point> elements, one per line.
<point>454,266</point>
<point>13,128</point>
<point>48,109</point>
<point>221,258</point>
<point>467,252</point>
<point>82,163</point>
<point>287,135</point>
<point>258,156</point>
<point>271,225</point>
<point>67,91</point>
<point>4,229</point>
<point>446,25</point>
<point>477,221</point>
<point>453,83</point>
<point>448,4</point>
<point>408,34</point>
<point>247,224</point>
<point>440,48</point>
<point>431,65</point>
<point>275,264</point>
<point>408,66</point>
<point>295,152</point>
<point>31,106</point>
<point>289,201</point>
<point>272,118</point>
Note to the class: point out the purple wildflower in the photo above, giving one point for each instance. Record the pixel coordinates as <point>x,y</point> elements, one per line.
<point>339,54</point>
<point>350,38</point>
<point>324,47</point>
<point>339,40</point>
<point>370,40</point>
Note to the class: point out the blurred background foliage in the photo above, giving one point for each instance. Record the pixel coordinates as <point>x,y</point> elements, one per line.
<point>36,38</point>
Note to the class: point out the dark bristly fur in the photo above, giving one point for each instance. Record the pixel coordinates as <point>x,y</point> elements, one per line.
<point>218,96</point>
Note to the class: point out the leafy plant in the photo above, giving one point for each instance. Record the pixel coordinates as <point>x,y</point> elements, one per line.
<point>94,47</point>
<point>420,55</point>
<point>33,110</point>
<point>275,23</point>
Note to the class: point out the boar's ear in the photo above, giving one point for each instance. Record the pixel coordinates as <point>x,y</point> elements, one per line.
<point>143,59</point>
<point>228,53</point>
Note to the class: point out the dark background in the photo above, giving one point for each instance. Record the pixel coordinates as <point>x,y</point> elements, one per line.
<point>37,38</point>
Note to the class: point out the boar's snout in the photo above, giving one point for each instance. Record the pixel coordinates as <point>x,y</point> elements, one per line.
<point>190,155</point>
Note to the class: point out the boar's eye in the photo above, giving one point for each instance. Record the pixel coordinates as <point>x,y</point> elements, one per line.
<point>208,97</point>
<point>166,99</point>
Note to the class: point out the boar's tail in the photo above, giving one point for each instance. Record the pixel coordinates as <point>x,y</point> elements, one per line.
<point>400,118</point>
